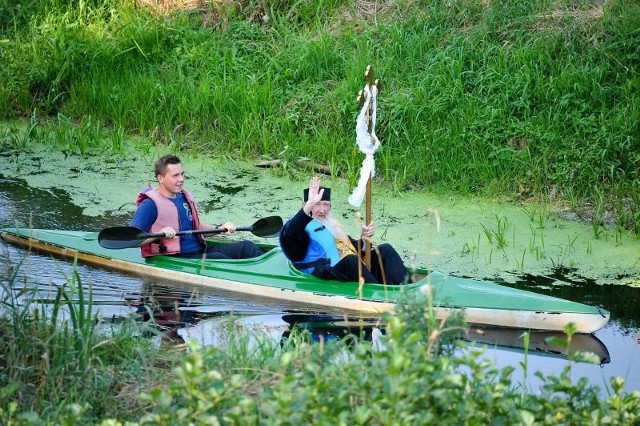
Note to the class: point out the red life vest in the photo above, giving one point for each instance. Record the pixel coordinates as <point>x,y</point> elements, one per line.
<point>167,216</point>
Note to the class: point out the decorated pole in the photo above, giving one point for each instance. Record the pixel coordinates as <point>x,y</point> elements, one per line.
<point>368,143</point>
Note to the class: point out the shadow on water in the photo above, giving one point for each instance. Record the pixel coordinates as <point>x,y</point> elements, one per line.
<point>52,208</point>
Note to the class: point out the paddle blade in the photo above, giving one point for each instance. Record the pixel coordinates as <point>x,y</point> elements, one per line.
<point>121,237</point>
<point>267,227</point>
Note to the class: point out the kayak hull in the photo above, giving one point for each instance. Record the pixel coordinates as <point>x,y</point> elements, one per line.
<point>272,276</point>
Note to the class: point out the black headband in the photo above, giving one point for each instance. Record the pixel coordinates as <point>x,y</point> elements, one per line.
<point>326,195</point>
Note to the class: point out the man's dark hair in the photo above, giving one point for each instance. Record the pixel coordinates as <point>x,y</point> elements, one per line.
<point>163,162</point>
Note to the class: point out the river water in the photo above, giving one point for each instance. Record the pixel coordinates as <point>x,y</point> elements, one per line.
<point>541,251</point>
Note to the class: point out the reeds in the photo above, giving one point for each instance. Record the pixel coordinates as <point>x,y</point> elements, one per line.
<point>53,356</point>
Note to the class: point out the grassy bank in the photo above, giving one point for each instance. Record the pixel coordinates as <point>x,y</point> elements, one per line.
<point>61,365</point>
<point>522,98</point>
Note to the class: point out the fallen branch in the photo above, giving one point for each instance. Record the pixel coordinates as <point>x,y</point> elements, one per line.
<point>319,168</point>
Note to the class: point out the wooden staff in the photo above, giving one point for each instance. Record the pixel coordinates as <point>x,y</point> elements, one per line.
<point>368,75</point>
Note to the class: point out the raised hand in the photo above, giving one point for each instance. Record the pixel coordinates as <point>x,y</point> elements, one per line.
<point>315,195</point>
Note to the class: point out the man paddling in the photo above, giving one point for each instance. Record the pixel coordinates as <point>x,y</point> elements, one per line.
<point>316,243</point>
<point>170,208</point>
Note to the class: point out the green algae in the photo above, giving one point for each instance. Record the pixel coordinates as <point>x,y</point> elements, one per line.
<point>472,237</point>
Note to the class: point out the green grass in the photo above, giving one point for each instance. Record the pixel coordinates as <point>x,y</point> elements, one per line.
<point>533,99</point>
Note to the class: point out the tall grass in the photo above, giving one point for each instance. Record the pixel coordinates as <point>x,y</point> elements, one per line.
<point>54,359</point>
<point>528,98</point>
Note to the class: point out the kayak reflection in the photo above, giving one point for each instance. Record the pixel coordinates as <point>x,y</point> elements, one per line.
<point>179,313</point>
<point>549,343</point>
<point>218,328</point>
<point>540,342</point>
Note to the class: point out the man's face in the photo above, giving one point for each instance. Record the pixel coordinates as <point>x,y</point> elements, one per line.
<point>173,179</point>
<point>321,210</point>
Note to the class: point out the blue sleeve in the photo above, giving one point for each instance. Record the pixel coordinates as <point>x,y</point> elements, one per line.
<point>145,215</point>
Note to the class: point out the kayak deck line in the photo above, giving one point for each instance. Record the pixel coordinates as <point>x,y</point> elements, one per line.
<point>272,276</point>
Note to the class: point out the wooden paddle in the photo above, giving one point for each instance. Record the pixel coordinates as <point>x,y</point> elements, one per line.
<point>120,237</point>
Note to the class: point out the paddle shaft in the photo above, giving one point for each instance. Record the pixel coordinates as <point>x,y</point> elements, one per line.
<point>194,232</point>
<point>127,236</point>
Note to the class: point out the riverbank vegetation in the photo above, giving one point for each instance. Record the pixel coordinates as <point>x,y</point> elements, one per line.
<point>63,365</point>
<point>521,99</point>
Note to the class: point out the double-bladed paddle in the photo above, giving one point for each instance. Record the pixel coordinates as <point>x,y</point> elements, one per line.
<point>120,237</point>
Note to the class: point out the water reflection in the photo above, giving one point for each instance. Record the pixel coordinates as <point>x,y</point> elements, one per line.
<point>548,343</point>
<point>219,330</point>
<point>173,308</point>
<point>52,208</point>
<point>542,343</point>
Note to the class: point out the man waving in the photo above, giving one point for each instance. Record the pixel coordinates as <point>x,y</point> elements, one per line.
<point>316,243</point>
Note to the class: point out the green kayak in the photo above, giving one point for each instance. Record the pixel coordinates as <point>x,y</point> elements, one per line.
<point>272,276</point>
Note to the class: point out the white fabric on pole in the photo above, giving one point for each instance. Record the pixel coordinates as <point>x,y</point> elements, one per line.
<point>367,142</point>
